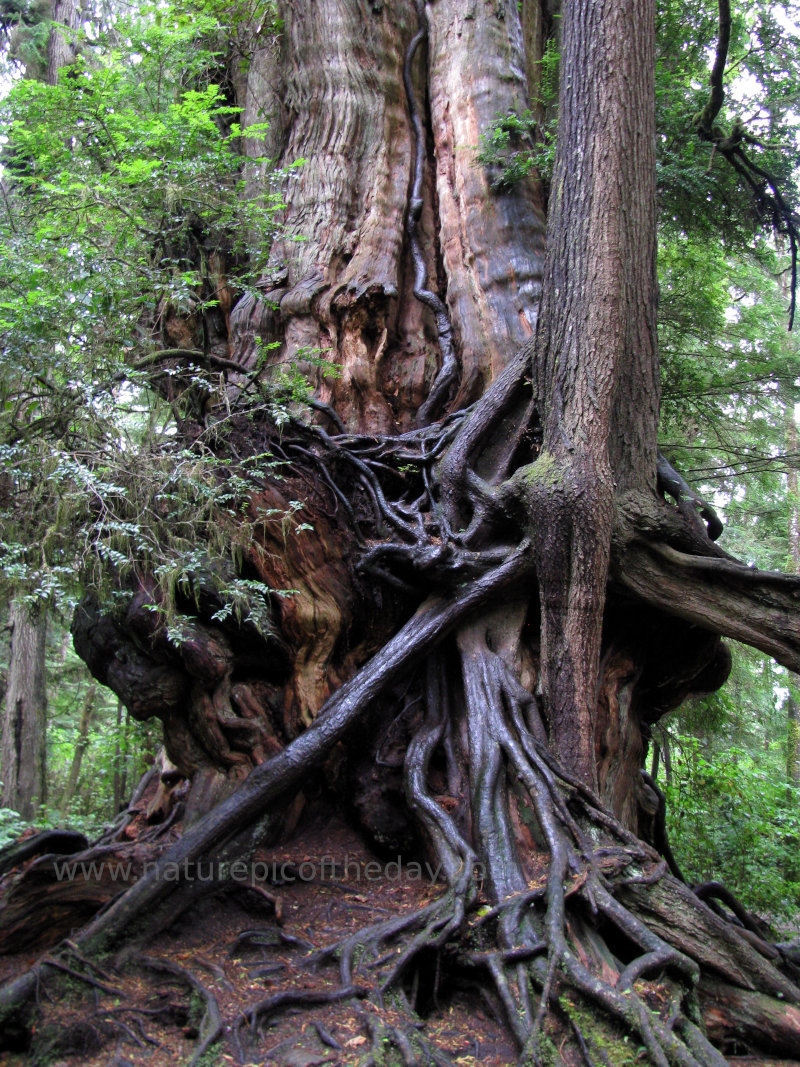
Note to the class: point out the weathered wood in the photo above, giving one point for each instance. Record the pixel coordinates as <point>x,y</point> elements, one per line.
<point>492,243</point>
<point>734,1016</point>
<point>675,913</point>
<point>45,900</point>
<point>759,608</point>
<point>346,287</point>
<point>59,842</point>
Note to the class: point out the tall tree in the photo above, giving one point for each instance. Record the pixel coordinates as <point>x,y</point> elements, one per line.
<point>25,724</point>
<point>494,585</point>
<point>61,41</point>
<point>24,750</point>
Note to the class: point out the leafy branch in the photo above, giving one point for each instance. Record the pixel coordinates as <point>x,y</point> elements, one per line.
<point>762,183</point>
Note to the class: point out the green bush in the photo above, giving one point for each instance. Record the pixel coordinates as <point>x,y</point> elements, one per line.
<point>732,818</point>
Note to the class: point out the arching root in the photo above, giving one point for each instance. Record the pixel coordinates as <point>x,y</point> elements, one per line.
<point>544,936</point>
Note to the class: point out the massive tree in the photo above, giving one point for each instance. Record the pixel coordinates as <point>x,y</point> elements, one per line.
<point>494,588</point>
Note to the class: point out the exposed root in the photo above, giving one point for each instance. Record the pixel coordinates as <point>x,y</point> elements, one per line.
<point>544,885</point>
<point>210,1026</point>
<point>250,1021</point>
<point>534,924</point>
<point>528,950</point>
<point>59,965</point>
<point>448,372</point>
<point>716,891</point>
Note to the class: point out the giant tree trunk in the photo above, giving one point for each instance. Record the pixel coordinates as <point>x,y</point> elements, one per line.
<point>494,593</point>
<point>792,872</point>
<point>25,723</point>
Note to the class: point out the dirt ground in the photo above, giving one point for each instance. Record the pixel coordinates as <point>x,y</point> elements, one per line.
<point>246,947</point>
<point>319,887</point>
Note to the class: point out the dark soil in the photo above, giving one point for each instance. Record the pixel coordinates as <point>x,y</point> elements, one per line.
<point>319,887</point>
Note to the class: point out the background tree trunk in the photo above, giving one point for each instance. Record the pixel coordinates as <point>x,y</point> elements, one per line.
<point>60,43</point>
<point>792,710</point>
<point>81,745</point>
<point>24,747</point>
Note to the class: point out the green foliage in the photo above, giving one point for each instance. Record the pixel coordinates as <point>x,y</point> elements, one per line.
<point>731,815</point>
<point>11,826</point>
<point>143,508</point>
<point>699,192</point>
<point>507,148</point>
<point>728,365</point>
<point>126,209</point>
<point>693,198</point>
<point>729,380</point>
<point>735,820</point>
<point>125,189</point>
<point>286,386</point>
<point>513,146</point>
<point>114,752</point>
<point>729,369</point>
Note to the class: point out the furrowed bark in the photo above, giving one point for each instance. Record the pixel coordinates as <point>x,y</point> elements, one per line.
<point>25,722</point>
<point>594,356</point>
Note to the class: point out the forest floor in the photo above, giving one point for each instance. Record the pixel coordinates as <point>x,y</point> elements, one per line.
<point>316,889</point>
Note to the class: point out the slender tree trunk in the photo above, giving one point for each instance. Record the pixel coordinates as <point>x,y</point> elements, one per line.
<point>81,745</point>
<point>120,758</point>
<point>792,742</point>
<point>594,356</point>
<point>24,728</point>
<point>655,757</point>
<point>25,725</point>
<point>666,751</point>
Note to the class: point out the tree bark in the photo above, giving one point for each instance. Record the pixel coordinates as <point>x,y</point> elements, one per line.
<point>60,44</point>
<point>595,348</point>
<point>792,871</point>
<point>24,748</point>
<point>342,277</point>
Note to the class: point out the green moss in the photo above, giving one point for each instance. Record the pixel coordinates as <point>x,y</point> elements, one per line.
<point>603,1035</point>
<point>210,1058</point>
<point>545,471</point>
<point>197,1009</point>
<point>545,1054</point>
